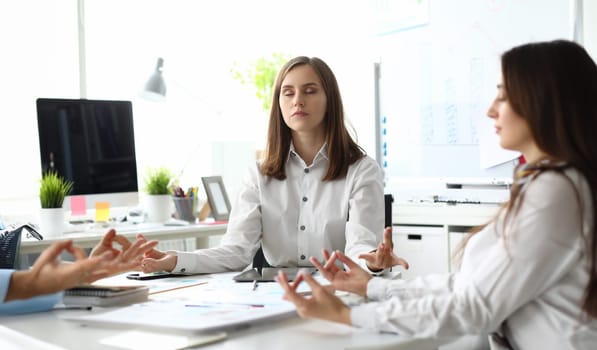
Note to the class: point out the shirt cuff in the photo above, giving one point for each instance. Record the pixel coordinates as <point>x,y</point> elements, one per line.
<point>364,316</point>
<point>363,263</point>
<point>376,288</point>
<point>184,262</point>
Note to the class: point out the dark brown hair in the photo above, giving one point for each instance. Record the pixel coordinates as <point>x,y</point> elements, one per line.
<point>343,151</point>
<point>553,87</point>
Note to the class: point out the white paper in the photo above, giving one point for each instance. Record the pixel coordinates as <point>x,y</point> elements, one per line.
<point>142,340</point>
<point>13,340</point>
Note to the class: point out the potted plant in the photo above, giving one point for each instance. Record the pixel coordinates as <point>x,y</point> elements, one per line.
<point>53,189</point>
<point>158,203</point>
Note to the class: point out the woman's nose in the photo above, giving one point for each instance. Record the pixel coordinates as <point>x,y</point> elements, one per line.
<point>298,101</point>
<point>492,112</point>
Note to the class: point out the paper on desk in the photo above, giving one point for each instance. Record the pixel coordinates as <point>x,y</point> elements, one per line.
<point>196,315</point>
<point>143,340</point>
<point>13,340</point>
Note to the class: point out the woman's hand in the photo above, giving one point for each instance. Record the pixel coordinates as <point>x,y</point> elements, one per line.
<point>383,257</point>
<point>353,280</point>
<point>130,255</point>
<point>49,275</point>
<point>322,304</point>
<point>156,260</point>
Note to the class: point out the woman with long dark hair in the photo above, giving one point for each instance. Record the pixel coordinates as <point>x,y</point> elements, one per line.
<point>529,277</point>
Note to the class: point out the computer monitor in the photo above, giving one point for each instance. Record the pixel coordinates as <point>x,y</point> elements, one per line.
<point>92,143</point>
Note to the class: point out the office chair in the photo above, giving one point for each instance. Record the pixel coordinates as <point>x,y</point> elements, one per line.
<point>260,262</point>
<point>10,242</point>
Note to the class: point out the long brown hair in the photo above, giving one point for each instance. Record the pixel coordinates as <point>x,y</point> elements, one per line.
<point>343,151</point>
<point>553,86</point>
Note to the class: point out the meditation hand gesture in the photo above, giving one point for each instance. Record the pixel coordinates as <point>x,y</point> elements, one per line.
<point>322,303</point>
<point>353,280</point>
<point>156,260</point>
<point>383,257</point>
<point>131,254</point>
<point>50,275</point>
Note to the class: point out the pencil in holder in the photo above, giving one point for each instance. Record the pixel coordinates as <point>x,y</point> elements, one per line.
<point>186,208</point>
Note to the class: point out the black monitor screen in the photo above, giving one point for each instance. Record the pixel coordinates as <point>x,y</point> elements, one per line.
<point>89,142</point>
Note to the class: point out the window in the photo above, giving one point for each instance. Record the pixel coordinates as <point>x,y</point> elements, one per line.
<point>199,41</point>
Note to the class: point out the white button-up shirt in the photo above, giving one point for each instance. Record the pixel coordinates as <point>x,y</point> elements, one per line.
<point>295,218</point>
<point>534,279</point>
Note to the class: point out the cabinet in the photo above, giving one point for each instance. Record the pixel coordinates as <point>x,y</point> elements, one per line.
<point>424,247</point>
<point>427,235</point>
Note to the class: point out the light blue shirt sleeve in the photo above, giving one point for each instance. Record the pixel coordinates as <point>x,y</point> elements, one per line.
<point>36,304</point>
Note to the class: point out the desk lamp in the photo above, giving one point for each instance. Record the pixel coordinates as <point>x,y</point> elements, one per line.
<point>155,88</point>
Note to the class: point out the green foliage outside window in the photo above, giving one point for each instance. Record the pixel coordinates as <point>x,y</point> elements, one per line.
<point>261,75</point>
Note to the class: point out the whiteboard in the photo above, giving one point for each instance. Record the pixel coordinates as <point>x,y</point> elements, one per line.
<point>438,78</point>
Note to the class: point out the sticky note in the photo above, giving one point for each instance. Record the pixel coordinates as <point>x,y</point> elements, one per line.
<point>102,211</point>
<point>78,205</point>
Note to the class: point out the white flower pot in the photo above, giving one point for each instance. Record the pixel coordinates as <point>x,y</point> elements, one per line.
<point>52,222</point>
<point>158,207</point>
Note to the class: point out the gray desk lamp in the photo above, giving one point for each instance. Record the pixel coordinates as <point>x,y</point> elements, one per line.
<point>155,88</point>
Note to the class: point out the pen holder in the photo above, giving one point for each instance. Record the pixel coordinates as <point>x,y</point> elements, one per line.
<point>186,208</point>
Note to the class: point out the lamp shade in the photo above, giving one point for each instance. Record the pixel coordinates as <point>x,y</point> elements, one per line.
<point>155,88</point>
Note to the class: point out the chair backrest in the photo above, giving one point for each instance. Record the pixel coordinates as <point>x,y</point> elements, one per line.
<point>388,200</point>
<point>9,248</point>
<point>259,260</point>
<point>10,241</point>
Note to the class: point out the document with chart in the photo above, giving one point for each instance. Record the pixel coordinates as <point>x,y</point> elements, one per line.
<point>216,305</point>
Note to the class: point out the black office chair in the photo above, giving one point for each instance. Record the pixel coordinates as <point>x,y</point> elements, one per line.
<point>259,260</point>
<point>10,242</point>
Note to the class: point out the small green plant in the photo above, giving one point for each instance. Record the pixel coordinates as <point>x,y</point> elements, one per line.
<point>261,74</point>
<point>53,189</point>
<point>157,181</point>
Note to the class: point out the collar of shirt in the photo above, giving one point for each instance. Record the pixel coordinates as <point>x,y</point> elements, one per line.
<point>322,153</point>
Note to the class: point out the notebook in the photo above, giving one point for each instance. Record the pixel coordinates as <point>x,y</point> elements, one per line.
<point>97,295</point>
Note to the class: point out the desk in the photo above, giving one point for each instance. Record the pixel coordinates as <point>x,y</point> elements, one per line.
<point>290,333</point>
<point>90,237</point>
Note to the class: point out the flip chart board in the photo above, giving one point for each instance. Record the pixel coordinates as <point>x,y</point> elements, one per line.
<point>437,75</point>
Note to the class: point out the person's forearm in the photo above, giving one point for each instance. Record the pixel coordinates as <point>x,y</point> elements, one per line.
<point>20,286</point>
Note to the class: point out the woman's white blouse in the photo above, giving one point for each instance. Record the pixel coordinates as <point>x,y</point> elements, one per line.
<point>295,218</point>
<point>530,274</point>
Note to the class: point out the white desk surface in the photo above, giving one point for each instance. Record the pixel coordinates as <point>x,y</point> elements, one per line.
<point>290,333</point>
<point>90,236</point>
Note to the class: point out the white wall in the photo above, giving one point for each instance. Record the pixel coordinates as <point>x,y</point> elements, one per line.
<point>205,37</point>
<point>590,27</point>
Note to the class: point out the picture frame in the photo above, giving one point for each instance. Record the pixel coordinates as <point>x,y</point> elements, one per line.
<point>217,197</point>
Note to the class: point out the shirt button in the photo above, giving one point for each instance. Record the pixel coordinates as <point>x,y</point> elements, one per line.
<point>303,257</point>
<point>306,170</point>
<point>302,227</point>
<point>304,199</point>
<point>183,269</point>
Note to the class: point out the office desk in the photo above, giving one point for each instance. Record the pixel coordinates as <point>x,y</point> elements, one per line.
<point>89,237</point>
<point>289,333</point>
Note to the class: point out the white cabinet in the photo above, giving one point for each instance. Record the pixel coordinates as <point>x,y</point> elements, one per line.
<point>424,247</point>
<point>428,234</point>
